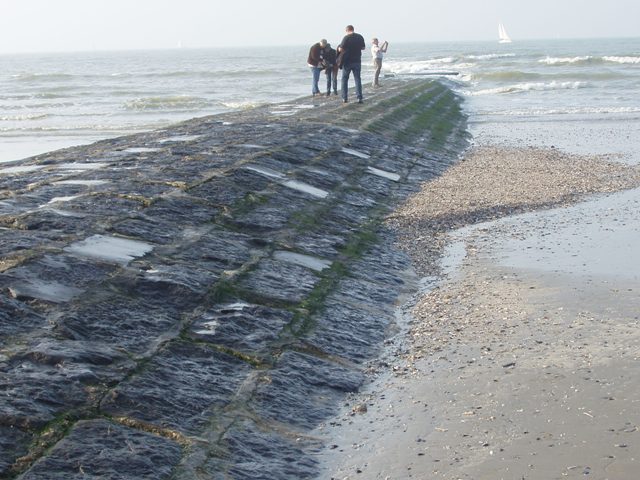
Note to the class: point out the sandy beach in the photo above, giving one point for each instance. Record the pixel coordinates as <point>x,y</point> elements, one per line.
<point>521,363</point>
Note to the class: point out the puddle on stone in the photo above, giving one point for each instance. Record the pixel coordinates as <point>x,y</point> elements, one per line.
<point>48,291</point>
<point>63,213</point>
<point>283,113</point>
<point>112,249</point>
<point>305,107</point>
<point>180,138</point>
<point>306,188</point>
<point>86,183</point>
<point>314,263</point>
<point>61,199</point>
<point>81,166</point>
<point>142,150</point>
<point>252,146</point>
<point>21,169</point>
<point>265,171</point>
<point>384,174</point>
<point>355,153</point>
<point>292,184</point>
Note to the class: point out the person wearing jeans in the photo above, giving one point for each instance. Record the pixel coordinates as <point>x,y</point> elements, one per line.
<point>315,63</point>
<point>351,49</point>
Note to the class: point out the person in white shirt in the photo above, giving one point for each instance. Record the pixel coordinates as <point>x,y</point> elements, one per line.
<point>377,52</point>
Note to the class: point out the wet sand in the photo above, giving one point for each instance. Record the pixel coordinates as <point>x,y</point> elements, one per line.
<point>522,362</point>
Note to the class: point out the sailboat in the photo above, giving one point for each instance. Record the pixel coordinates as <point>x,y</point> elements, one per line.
<point>503,37</point>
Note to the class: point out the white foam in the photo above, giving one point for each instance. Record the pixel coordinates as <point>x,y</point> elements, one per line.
<point>384,174</point>
<point>355,153</point>
<point>314,263</point>
<point>112,249</point>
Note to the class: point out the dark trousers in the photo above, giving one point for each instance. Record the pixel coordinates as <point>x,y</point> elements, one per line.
<point>332,78</point>
<point>346,71</point>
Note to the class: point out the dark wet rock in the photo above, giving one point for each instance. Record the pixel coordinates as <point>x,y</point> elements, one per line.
<point>52,278</point>
<point>246,328</point>
<point>35,394</point>
<point>183,210</point>
<point>303,390</point>
<point>180,388</point>
<point>102,449</point>
<point>259,454</point>
<point>17,317</point>
<point>350,331</point>
<point>14,443</point>
<point>133,324</point>
<point>184,280</point>
<point>279,280</point>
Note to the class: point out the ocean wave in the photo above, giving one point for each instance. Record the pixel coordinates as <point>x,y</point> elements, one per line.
<point>399,67</point>
<point>624,60</point>
<point>490,56</point>
<point>522,76</point>
<point>564,111</point>
<point>528,87</point>
<point>25,117</point>
<point>244,105</point>
<point>567,60</point>
<point>41,77</point>
<point>590,60</point>
<point>175,102</point>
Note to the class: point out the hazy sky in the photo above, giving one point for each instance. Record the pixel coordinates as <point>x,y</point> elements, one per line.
<point>54,25</point>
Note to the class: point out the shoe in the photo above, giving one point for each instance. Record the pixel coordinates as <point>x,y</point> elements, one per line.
<point>359,100</point>
<point>328,93</point>
<point>344,100</point>
<point>335,93</point>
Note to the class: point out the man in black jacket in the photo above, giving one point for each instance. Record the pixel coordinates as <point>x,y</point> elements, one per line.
<point>330,69</point>
<point>351,48</point>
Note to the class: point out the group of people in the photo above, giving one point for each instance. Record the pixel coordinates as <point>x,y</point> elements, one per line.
<point>347,57</point>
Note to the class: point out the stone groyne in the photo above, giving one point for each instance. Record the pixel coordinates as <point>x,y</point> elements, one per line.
<point>191,302</point>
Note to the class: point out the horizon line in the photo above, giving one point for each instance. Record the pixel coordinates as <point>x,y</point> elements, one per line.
<point>263,46</point>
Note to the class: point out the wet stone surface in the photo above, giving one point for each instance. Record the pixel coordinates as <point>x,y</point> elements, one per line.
<point>101,449</point>
<point>193,300</point>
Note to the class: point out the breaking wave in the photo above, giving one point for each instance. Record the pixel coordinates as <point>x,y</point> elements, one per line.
<point>175,102</point>
<point>528,87</point>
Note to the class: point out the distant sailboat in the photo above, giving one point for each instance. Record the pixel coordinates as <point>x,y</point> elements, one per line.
<point>503,37</point>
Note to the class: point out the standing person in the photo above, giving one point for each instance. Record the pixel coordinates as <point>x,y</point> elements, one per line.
<point>315,63</point>
<point>351,49</point>
<point>331,69</point>
<point>377,52</point>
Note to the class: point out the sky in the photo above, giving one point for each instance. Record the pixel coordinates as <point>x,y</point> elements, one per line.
<point>80,25</point>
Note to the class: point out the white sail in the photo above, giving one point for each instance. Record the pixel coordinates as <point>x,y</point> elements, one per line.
<point>503,37</point>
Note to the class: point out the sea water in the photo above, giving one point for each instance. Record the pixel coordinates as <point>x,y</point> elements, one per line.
<point>587,89</point>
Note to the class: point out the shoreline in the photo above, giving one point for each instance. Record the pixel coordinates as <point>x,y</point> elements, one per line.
<point>485,384</point>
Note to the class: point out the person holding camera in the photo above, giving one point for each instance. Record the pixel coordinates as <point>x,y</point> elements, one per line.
<point>377,52</point>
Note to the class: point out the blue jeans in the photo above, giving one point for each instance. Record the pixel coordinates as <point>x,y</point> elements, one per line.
<point>316,78</point>
<point>346,71</point>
